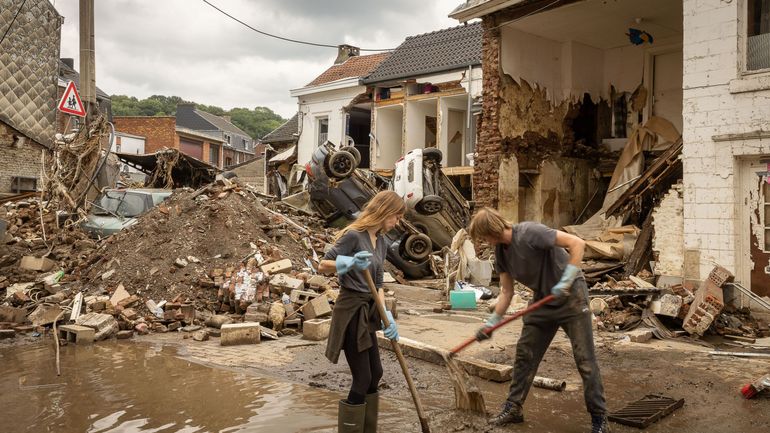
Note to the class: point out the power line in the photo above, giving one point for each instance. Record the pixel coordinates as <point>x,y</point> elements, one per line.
<point>296,41</point>
<point>13,21</point>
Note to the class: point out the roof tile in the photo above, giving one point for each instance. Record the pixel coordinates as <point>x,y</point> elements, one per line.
<point>442,50</point>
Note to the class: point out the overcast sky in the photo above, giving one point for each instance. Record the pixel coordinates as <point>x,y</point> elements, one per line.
<point>187,48</point>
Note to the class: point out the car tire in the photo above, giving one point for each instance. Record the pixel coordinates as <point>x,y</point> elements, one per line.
<point>356,154</point>
<point>430,205</point>
<point>341,164</point>
<point>432,154</point>
<point>418,247</point>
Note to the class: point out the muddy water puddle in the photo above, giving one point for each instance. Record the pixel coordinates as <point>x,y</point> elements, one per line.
<point>134,387</point>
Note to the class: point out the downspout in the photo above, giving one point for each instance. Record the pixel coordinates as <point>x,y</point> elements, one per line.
<point>468,115</point>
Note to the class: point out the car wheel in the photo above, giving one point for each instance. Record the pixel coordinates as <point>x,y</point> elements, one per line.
<point>341,164</point>
<point>429,205</point>
<point>432,154</point>
<point>418,247</point>
<point>356,154</point>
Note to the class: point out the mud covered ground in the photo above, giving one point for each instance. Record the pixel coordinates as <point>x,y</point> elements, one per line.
<point>710,385</point>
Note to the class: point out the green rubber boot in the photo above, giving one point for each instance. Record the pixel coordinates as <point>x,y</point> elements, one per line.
<point>372,409</point>
<point>350,418</point>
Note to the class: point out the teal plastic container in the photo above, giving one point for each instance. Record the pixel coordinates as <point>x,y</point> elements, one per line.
<point>462,299</point>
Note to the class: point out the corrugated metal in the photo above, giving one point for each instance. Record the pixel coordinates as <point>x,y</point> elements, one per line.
<point>29,63</point>
<point>758,52</point>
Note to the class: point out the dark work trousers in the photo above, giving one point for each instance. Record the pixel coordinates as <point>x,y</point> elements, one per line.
<point>365,366</point>
<point>535,338</point>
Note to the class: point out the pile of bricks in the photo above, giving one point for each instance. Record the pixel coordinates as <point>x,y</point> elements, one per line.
<point>708,303</point>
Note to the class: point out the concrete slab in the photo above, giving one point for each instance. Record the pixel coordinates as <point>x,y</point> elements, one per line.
<point>239,333</point>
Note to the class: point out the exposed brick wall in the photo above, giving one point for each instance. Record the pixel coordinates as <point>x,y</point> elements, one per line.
<point>668,243</point>
<point>488,149</point>
<point>23,160</point>
<point>160,131</point>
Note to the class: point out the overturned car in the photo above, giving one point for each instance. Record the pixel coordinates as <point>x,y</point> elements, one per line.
<point>435,211</point>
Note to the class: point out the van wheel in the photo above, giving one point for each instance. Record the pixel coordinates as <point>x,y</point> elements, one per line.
<point>418,247</point>
<point>432,154</point>
<point>353,151</point>
<point>429,205</point>
<point>341,164</point>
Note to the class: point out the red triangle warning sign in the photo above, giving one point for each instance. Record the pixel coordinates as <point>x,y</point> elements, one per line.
<point>70,101</point>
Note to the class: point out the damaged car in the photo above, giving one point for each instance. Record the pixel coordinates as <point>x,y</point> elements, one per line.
<point>434,205</point>
<point>339,190</point>
<point>115,209</point>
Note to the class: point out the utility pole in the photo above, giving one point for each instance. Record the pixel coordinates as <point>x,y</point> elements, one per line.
<point>87,59</point>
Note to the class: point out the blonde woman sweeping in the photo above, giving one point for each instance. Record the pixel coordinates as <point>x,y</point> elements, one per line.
<point>361,246</point>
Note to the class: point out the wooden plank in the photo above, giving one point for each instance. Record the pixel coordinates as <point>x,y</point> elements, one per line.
<point>414,293</point>
<point>457,171</point>
<point>642,252</point>
<point>435,355</point>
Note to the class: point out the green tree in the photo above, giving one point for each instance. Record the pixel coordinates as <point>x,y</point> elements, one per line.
<point>257,122</point>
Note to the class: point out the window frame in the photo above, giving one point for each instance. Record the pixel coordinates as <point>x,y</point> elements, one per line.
<point>744,43</point>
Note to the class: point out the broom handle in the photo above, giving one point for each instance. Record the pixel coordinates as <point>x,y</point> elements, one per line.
<point>532,307</point>
<point>397,350</point>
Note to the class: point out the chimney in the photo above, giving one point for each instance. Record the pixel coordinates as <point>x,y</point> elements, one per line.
<point>345,52</point>
<point>69,62</point>
<point>228,118</point>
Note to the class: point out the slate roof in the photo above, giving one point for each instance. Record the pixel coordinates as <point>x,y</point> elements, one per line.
<point>356,66</point>
<point>69,74</point>
<point>439,51</point>
<point>221,123</point>
<point>284,132</point>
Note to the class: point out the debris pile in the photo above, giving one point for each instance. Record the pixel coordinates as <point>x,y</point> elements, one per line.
<point>35,242</point>
<point>677,310</point>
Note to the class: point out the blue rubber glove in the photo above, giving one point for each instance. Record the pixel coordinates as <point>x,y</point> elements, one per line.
<point>562,288</point>
<point>391,332</point>
<point>359,261</point>
<point>482,333</point>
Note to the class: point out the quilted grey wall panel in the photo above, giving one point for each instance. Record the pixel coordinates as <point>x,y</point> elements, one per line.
<point>29,62</point>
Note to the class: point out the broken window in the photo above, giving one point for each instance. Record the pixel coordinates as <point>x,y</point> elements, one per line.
<point>758,35</point>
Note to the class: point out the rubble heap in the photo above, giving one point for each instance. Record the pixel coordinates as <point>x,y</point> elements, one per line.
<point>62,246</point>
<point>173,249</point>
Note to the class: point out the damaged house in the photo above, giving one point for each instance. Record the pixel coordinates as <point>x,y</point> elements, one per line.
<point>29,66</point>
<point>336,106</point>
<point>424,97</point>
<point>588,79</point>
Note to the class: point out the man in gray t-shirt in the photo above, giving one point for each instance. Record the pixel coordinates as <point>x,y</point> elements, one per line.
<point>547,261</point>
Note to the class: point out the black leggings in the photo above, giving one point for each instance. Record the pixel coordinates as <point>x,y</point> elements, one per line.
<point>365,366</point>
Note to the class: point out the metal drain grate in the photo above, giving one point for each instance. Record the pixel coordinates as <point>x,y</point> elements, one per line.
<point>646,411</point>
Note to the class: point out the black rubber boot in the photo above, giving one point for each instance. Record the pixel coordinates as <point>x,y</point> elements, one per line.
<point>350,418</point>
<point>511,414</point>
<point>600,424</point>
<point>372,410</point>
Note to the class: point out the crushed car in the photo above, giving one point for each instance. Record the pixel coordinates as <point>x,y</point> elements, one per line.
<point>339,190</point>
<point>115,209</point>
<point>434,204</point>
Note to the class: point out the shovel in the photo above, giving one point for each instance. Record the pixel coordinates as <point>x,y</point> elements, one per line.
<point>399,355</point>
<point>487,331</point>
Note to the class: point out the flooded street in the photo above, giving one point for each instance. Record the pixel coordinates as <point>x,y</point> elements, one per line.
<point>130,387</point>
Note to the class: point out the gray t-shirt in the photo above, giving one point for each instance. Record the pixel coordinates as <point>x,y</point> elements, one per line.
<point>348,245</point>
<point>532,258</point>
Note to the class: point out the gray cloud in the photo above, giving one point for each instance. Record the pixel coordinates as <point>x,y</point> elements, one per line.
<point>186,48</point>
